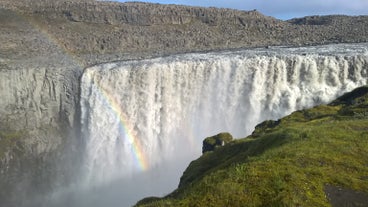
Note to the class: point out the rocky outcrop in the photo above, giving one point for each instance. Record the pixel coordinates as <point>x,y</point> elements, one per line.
<point>332,28</point>
<point>219,140</point>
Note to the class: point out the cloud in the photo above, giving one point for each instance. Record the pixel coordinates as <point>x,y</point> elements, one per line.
<point>284,8</point>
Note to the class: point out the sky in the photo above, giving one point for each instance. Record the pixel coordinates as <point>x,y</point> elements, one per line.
<point>282,9</point>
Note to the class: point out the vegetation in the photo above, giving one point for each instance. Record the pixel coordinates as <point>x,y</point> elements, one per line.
<point>288,162</point>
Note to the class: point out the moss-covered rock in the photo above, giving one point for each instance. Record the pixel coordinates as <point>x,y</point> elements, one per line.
<point>211,143</point>
<point>264,126</point>
<point>357,97</point>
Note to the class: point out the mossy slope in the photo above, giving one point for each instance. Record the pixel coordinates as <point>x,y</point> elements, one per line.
<point>288,162</point>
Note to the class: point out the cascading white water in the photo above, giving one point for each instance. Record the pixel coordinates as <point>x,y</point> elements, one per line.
<point>150,116</point>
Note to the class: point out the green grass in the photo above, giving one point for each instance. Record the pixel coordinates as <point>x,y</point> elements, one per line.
<point>283,163</point>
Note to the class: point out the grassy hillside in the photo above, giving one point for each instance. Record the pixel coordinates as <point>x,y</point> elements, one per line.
<point>312,157</point>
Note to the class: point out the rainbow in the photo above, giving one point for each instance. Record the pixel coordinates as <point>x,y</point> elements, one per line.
<point>138,152</point>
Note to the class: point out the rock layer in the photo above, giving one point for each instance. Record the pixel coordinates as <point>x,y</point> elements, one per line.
<point>103,31</point>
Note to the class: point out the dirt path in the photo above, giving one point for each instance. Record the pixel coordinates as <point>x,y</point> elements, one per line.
<point>343,197</point>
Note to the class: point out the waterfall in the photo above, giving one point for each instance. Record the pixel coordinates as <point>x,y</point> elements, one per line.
<point>140,117</point>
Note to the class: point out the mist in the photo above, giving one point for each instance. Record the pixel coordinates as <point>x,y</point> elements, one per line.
<point>122,192</point>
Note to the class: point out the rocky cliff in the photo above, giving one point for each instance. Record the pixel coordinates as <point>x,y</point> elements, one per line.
<point>38,107</point>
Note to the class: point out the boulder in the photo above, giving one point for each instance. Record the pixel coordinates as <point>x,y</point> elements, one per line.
<point>211,143</point>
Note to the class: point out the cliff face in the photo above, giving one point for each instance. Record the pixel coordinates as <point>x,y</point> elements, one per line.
<point>38,108</point>
<point>38,119</point>
<point>39,82</point>
<point>35,98</point>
